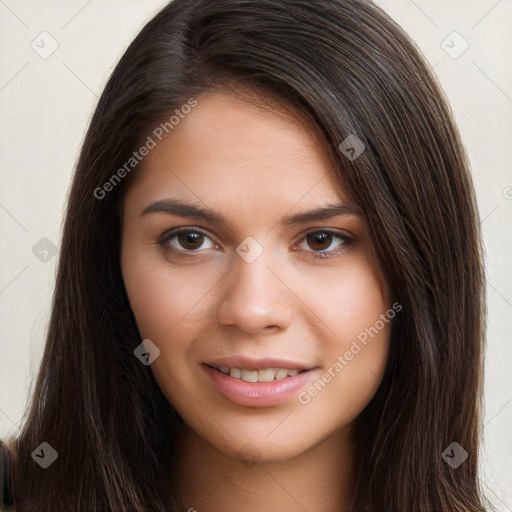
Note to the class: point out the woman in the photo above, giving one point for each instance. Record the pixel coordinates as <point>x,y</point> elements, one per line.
<point>204,352</point>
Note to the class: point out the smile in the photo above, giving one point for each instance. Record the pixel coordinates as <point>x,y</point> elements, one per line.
<point>262,387</point>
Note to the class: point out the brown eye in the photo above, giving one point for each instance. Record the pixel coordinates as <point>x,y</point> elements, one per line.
<point>190,239</point>
<point>319,240</point>
<point>185,240</point>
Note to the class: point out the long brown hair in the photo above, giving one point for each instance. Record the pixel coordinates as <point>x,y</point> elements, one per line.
<point>347,67</point>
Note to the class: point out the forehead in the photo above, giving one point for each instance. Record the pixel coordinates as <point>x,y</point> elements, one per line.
<point>229,149</point>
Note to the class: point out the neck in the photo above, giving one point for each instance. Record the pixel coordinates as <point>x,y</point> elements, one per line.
<point>206,480</point>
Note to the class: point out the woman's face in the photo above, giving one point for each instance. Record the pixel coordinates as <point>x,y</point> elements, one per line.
<point>259,289</point>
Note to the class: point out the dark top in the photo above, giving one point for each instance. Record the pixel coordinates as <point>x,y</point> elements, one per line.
<point>7,501</point>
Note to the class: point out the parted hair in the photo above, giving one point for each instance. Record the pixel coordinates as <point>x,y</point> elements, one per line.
<point>351,70</point>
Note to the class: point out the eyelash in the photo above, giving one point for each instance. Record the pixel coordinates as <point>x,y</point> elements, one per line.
<point>167,236</point>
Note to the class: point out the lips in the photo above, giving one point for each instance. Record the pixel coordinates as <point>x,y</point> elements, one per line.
<point>258,382</point>
<point>259,393</point>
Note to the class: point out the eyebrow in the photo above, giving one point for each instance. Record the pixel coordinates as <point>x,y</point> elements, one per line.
<point>184,209</point>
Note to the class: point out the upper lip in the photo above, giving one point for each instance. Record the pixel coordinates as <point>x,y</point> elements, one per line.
<point>249,363</point>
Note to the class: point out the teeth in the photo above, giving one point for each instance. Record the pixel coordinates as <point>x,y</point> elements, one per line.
<point>235,372</point>
<point>266,375</point>
<point>250,375</point>
<point>263,375</point>
<point>281,373</point>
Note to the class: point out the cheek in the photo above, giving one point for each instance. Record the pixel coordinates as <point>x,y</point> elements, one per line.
<point>340,303</point>
<point>355,343</point>
<point>163,299</point>
<point>167,303</point>
<point>362,300</point>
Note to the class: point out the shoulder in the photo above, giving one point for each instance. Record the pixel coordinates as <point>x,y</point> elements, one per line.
<point>6,476</point>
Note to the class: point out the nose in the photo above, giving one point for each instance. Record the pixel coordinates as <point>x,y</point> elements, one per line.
<point>255,298</point>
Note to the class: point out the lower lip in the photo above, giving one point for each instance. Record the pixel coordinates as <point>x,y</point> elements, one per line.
<point>258,394</point>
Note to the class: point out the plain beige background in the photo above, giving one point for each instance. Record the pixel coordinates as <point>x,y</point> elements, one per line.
<point>46,101</point>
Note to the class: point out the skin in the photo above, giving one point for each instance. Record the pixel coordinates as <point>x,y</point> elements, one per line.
<point>253,166</point>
